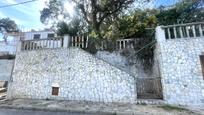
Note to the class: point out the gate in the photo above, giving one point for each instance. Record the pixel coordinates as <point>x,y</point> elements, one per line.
<point>149,88</point>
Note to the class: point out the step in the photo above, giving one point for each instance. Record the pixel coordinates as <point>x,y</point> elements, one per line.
<point>2,95</point>
<point>2,90</point>
<point>149,102</point>
<point>1,100</point>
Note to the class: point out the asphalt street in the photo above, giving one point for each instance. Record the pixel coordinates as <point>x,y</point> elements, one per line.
<point>30,112</point>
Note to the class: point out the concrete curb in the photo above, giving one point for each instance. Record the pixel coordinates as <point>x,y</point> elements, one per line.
<point>66,110</point>
<point>75,110</point>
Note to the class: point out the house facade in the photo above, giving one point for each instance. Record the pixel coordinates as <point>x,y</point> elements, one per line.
<point>34,35</point>
<point>8,47</point>
<point>51,69</point>
<point>11,45</point>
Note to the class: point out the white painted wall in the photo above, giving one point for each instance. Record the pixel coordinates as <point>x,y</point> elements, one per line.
<point>9,46</point>
<point>5,69</point>
<point>43,34</point>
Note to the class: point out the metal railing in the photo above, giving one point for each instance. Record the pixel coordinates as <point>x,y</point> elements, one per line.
<point>189,30</point>
<point>47,43</point>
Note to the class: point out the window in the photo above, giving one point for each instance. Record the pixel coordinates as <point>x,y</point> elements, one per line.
<point>50,35</point>
<point>202,64</point>
<point>22,38</point>
<point>55,91</point>
<point>36,36</point>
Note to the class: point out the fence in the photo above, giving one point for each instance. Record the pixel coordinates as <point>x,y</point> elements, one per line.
<point>52,43</point>
<point>149,88</point>
<point>75,41</point>
<point>81,42</point>
<point>125,43</point>
<point>42,44</point>
<point>188,30</point>
<point>119,44</point>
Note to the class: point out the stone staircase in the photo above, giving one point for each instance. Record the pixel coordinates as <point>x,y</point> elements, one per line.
<point>149,102</point>
<point>121,68</point>
<point>3,94</point>
<point>75,58</point>
<point>144,96</point>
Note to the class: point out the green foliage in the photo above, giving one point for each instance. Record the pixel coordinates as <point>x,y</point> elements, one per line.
<point>73,28</point>
<point>8,25</point>
<point>144,48</point>
<point>94,34</point>
<point>133,25</point>
<point>92,46</point>
<point>51,12</point>
<point>105,21</point>
<point>185,11</point>
<point>172,108</point>
<point>95,12</point>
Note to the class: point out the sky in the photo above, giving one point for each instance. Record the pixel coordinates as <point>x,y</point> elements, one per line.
<point>27,16</point>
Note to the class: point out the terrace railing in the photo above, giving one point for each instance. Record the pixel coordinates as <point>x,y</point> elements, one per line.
<point>42,44</point>
<point>119,44</point>
<point>189,30</point>
<point>125,43</point>
<point>52,43</point>
<point>79,41</point>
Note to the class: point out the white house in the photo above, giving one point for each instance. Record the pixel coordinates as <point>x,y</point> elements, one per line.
<point>44,34</point>
<point>7,47</point>
<point>10,46</point>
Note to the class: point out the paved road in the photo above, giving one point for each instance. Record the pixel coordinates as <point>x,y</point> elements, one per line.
<point>28,112</point>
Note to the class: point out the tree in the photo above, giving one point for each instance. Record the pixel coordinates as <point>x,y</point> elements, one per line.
<point>131,26</point>
<point>140,25</point>
<point>73,28</point>
<point>94,12</point>
<point>7,25</point>
<point>182,12</point>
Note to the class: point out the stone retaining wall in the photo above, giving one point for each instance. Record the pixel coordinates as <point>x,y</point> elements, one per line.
<point>129,65</point>
<point>181,71</point>
<point>79,75</point>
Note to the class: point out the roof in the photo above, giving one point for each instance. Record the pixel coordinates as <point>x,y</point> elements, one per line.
<point>31,31</point>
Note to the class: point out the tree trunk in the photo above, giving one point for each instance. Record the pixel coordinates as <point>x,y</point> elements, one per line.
<point>99,38</point>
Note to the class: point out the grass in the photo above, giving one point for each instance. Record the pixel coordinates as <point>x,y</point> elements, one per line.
<point>143,104</point>
<point>114,113</point>
<point>172,108</point>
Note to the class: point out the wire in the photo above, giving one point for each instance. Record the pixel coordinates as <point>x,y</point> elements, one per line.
<point>151,43</point>
<point>17,3</point>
